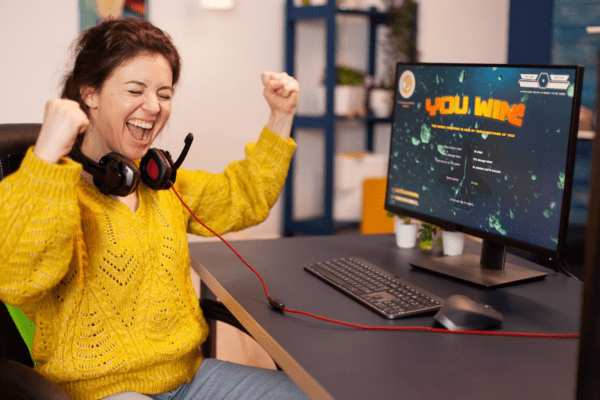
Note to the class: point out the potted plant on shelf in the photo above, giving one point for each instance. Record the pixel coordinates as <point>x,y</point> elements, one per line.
<point>399,45</point>
<point>349,92</point>
<point>310,2</point>
<point>381,100</point>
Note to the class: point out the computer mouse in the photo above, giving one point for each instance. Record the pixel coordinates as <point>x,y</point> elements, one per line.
<point>459,312</point>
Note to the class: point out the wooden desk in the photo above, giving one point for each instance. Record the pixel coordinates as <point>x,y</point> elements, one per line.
<point>331,361</point>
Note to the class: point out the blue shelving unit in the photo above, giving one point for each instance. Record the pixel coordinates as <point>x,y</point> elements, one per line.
<point>324,225</point>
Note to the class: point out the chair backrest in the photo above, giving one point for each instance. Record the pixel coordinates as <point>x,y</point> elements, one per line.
<point>15,139</point>
<point>12,345</point>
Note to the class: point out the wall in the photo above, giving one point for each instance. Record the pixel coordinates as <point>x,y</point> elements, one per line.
<point>35,41</point>
<point>463,31</point>
<point>219,97</point>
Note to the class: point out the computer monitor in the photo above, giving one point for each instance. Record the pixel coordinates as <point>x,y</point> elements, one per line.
<point>487,150</point>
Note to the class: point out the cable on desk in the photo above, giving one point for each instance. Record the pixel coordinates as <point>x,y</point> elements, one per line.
<point>437,330</point>
<point>279,305</point>
<point>564,267</point>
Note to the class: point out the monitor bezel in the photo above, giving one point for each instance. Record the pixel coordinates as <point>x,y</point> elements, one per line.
<point>557,254</point>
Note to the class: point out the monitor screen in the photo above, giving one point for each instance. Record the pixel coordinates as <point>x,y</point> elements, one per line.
<point>487,150</point>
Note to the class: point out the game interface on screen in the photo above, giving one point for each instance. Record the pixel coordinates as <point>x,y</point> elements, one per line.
<point>483,146</point>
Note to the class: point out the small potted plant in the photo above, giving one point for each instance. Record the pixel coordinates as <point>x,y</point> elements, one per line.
<point>381,99</point>
<point>401,39</point>
<point>349,92</point>
<point>406,231</point>
<point>399,45</point>
<point>310,2</point>
<point>428,235</point>
<point>453,243</point>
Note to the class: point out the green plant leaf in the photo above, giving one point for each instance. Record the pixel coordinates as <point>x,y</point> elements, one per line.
<point>348,76</point>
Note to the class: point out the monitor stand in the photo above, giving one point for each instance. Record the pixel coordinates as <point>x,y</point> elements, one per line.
<point>489,270</point>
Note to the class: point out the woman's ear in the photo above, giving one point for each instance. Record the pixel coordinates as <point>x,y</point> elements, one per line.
<point>89,96</point>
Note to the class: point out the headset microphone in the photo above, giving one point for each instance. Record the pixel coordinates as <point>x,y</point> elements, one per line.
<point>117,175</point>
<point>158,170</point>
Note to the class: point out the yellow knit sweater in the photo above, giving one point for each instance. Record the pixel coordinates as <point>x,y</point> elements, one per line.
<point>109,290</point>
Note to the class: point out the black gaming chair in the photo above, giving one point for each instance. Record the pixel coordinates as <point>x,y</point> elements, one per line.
<point>18,380</point>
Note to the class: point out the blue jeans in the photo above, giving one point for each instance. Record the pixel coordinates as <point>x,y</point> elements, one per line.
<point>217,379</point>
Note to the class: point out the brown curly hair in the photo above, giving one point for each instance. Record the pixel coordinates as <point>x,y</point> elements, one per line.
<point>104,47</point>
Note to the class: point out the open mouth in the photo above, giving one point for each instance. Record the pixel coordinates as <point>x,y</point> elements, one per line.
<point>139,129</point>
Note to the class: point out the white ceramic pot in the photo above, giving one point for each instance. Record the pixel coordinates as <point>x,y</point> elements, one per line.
<point>349,99</point>
<point>406,234</point>
<point>381,102</point>
<point>380,5</point>
<point>453,243</point>
<point>348,4</point>
<point>299,3</point>
<point>367,4</point>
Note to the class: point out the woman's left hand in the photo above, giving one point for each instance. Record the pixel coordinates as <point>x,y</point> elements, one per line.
<point>281,92</point>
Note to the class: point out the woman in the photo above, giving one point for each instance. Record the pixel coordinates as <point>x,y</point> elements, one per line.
<point>105,278</point>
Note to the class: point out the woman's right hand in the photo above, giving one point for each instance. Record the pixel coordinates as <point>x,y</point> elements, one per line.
<point>63,121</point>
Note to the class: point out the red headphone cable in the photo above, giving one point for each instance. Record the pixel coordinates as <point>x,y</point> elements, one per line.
<point>279,306</point>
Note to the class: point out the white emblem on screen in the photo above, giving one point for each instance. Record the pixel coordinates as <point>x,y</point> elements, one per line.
<point>407,84</point>
<point>544,81</point>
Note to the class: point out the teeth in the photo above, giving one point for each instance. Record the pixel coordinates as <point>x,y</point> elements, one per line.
<point>144,126</point>
<point>141,124</point>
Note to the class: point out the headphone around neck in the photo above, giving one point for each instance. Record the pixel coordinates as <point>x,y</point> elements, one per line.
<point>116,175</point>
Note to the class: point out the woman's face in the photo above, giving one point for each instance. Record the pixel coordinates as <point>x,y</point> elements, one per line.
<point>130,109</point>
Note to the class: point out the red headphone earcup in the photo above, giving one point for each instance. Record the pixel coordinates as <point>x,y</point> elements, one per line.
<point>152,170</point>
<point>155,169</point>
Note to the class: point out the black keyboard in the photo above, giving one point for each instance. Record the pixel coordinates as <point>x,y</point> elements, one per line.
<point>377,289</point>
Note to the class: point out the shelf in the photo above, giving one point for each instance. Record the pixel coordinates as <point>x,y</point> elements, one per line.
<point>307,12</point>
<point>587,135</point>
<point>318,121</point>
<point>325,224</point>
<point>319,12</point>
